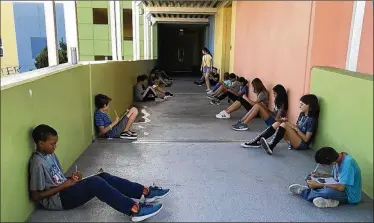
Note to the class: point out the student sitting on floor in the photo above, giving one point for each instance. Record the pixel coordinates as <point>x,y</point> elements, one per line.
<point>54,191</point>
<point>280,110</point>
<point>346,173</point>
<point>157,85</point>
<point>213,79</point>
<point>141,93</point>
<point>217,89</point>
<point>168,81</point>
<point>262,97</point>
<point>300,135</point>
<point>119,127</point>
<point>233,92</point>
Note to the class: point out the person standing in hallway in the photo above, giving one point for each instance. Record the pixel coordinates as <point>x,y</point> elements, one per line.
<point>206,66</point>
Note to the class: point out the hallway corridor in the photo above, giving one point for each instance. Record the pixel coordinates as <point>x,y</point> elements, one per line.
<point>185,148</point>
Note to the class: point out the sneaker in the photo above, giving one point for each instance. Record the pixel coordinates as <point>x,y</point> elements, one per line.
<point>156,193</point>
<point>168,94</point>
<point>215,102</point>
<point>127,135</point>
<point>209,92</point>
<point>146,211</point>
<point>210,97</point>
<point>325,203</point>
<point>266,146</point>
<point>159,99</point>
<point>133,133</point>
<point>254,144</point>
<point>237,123</point>
<point>297,188</point>
<point>241,127</point>
<point>223,115</point>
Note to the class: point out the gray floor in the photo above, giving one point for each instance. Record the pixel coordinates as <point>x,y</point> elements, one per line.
<point>185,148</point>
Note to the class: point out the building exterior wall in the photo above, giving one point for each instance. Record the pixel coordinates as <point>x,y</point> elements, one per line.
<point>365,57</point>
<point>8,36</point>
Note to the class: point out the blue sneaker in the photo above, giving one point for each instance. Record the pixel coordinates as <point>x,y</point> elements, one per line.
<point>146,211</point>
<point>156,193</point>
<point>237,123</point>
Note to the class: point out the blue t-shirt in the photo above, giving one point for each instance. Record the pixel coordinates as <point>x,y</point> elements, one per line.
<point>306,124</point>
<point>227,83</point>
<point>102,119</point>
<point>244,88</point>
<point>349,174</point>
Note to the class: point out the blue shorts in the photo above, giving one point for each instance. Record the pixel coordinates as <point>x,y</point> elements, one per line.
<point>216,87</point>
<point>303,146</point>
<point>206,70</point>
<point>270,121</point>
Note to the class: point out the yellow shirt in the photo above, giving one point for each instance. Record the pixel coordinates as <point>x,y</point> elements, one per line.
<point>207,60</point>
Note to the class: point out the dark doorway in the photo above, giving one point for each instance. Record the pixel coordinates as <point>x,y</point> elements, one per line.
<point>179,48</point>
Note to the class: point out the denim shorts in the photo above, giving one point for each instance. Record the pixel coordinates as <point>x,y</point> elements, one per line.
<point>206,70</point>
<point>303,146</point>
<point>270,121</point>
<point>118,129</point>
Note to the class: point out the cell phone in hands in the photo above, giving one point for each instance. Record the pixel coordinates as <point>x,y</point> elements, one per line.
<point>321,180</point>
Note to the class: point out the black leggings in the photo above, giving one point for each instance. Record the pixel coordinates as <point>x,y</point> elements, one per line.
<point>245,104</point>
<point>232,96</point>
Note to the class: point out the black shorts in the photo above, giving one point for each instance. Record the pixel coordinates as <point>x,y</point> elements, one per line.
<point>245,104</point>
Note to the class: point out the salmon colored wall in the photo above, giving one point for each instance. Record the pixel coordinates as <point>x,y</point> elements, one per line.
<point>272,44</point>
<point>365,57</point>
<point>329,36</point>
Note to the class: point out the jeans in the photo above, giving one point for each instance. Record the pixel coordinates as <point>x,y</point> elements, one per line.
<point>327,193</point>
<point>216,87</point>
<point>114,191</point>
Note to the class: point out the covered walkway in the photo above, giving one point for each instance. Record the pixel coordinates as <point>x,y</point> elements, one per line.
<point>185,148</point>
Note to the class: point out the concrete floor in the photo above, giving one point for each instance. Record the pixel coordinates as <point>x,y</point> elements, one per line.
<point>185,148</point>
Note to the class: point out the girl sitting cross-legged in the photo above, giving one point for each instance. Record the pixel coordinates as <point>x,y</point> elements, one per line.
<point>280,110</point>
<point>300,135</point>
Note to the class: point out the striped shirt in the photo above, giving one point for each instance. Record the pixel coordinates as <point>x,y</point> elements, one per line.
<point>103,120</point>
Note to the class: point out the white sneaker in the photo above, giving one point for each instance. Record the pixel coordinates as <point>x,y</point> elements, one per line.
<point>297,188</point>
<point>223,115</point>
<point>325,203</point>
<point>209,92</point>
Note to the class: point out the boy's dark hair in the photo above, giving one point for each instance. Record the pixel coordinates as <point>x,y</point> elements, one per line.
<point>101,100</point>
<point>312,101</point>
<point>41,133</point>
<point>232,76</point>
<point>141,78</point>
<point>226,76</point>
<point>326,156</point>
<point>243,80</point>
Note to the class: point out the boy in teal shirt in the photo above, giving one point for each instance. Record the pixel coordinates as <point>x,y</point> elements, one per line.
<point>345,171</point>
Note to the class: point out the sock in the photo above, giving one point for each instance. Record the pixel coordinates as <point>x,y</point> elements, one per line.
<point>135,208</point>
<point>145,191</point>
<point>278,137</point>
<point>265,134</point>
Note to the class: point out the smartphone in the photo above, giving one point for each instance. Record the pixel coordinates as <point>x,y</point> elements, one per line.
<point>322,180</point>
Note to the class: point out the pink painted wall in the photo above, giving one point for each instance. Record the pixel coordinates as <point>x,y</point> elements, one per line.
<point>280,42</point>
<point>365,57</point>
<point>271,43</point>
<point>329,35</point>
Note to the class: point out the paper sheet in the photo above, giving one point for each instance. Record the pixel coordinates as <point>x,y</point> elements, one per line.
<point>328,180</point>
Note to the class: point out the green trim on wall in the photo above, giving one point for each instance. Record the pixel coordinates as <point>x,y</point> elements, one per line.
<point>346,118</point>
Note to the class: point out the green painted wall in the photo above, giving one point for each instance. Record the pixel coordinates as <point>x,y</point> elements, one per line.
<point>69,110</point>
<point>346,119</point>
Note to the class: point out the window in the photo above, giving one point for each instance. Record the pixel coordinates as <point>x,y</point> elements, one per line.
<point>98,58</point>
<point>100,16</point>
<point>127,24</point>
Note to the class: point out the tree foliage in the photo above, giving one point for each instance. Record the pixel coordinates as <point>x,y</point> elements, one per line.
<point>42,59</point>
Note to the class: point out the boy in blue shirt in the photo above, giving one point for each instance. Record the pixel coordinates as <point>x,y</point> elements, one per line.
<point>54,191</point>
<point>345,171</point>
<point>118,128</point>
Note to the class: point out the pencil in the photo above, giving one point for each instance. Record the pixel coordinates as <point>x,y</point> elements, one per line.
<point>116,112</point>
<point>316,168</point>
<point>76,168</point>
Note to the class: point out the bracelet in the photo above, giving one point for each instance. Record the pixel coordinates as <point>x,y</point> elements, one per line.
<point>110,126</point>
